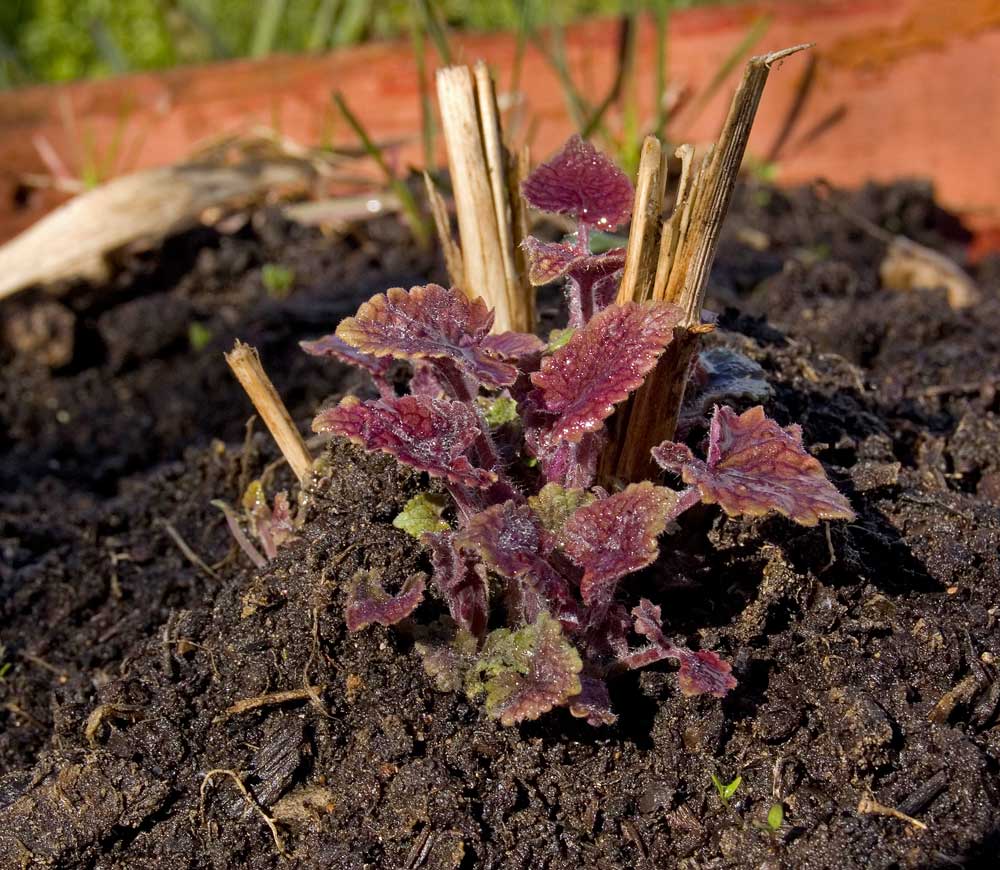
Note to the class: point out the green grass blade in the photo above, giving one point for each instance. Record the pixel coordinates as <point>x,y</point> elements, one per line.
<point>265,33</point>
<point>414,217</point>
<point>322,26</point>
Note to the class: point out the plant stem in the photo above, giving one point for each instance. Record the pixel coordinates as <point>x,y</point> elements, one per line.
<point>414,216</point>
<point>245,364</point>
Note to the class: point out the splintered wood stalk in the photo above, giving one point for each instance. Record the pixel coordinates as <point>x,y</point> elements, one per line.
<point>487,208</point>
<point>675,267</point>
<point>245,363</point>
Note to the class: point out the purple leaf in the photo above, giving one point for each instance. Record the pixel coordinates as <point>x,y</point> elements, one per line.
<point>376,366</point>
<point>429,322</point>
<point>615,536</point>
<point>593,703</point>
<point>527,672</point>
<point>549,261</point>
<point>513,346</point>
<point>275,528</point>
<point>510,539</point>
<point>701,671</point>
<point>368,602</point>
<point>428,434</point>
<point>568,463</point>
<point>592,278</point>
<point>603,362</point>
<point>459,579</point>
<point>582,182</point>
<point>754,466</point>
<point>426,382</point>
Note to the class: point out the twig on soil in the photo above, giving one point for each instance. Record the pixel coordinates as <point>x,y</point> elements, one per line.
<point>245,363</point>
<point>189,554</point>
<point>273,699</point>
<point>275,834</point>
<point>313,653</point>
<point>102,712</point>
<point>61,675</point>
<point>869,805</point>
<point>418,853</point>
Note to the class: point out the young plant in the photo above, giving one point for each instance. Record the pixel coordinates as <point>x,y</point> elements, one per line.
<point>531,567</point>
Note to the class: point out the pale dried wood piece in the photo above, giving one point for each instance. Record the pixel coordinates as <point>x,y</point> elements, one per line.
<point>872,806</point>
<point>452,253</point>
<point>75,240</point>
<point>273,699</point>
<point>245,363</point>
<point>909,265</point>
<point>497,163</point>
<point>640,255</point>
<point>715,189</point>
<point>470,180</point>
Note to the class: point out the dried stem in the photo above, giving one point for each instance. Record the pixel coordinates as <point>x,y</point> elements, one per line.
<point>452,253</point>
<point>479,167</point>
<point>245,363</point>
<point>641,254</point>
<point>683,253</point>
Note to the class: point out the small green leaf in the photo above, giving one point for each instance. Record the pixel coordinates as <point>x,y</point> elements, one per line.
<point>726,790</point>
<point>601,242</point>
<point>499,411</point>
<point>199,336</point>
<point>555,504</point>
<point>775,816</point>
<point>278,279</point>
<point>421,514</point>
<point>525,673</point>
<point>559,338</point>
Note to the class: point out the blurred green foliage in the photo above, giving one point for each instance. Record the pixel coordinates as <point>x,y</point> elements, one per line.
<point>60,40</point>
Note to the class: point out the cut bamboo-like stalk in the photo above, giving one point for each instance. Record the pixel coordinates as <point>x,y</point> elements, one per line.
<point>479,167</point>
<point>245,363</point>
<point>496,165</point>
<point>684,253</point>
<point>641,253</point>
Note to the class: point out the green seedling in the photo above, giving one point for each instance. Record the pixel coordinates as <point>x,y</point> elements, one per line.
<point>775,817</point>
<point>199,336</point>
<point>278,280</point>
<point>726,790</point>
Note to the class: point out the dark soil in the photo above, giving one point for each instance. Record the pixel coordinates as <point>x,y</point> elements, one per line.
<point>866,652</point>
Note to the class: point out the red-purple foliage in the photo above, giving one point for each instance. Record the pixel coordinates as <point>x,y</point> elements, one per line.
<point>368,602</point>
<point>429,322</point>
<point>431,435</point>
<point>615,536</point>
<point>461,582</point>
<point>754,467</point>
<point>592,279</point>
<point>583,183</point>
<point>515,430</point>
<point>376,366</point>
<point>602,364</point>
<point>701,671</point>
